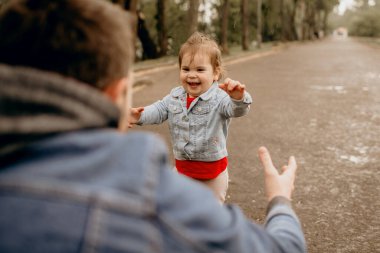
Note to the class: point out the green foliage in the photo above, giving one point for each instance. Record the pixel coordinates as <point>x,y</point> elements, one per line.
<point>361,21</point>
<point>281,19</point>
<point>234,21</point>
<point>366,23</point>
<point>271,11</point>
<point>2,2</point>
<point>176,21</point>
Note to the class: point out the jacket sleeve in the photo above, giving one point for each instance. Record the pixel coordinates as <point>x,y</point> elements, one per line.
<point>155,113</point>
<point>194,221</point>
<point>283,226</point>
<point>230,107</point>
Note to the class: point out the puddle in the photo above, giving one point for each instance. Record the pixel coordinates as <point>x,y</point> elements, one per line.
<point>337,88</point>
<point>372,75</point>
<point>361,155</point>
<point>362,150</point>
<point>313,123</point>
<point>355,159</point>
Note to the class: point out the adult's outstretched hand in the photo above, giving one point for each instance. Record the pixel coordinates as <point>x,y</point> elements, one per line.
<point>278,184</point>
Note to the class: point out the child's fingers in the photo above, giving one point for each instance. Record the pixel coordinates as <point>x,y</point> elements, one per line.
<point>223,86</point>
<point>242,87</point>
<point>140,109</point>
<point>232,85</point>
<point>137,110</point>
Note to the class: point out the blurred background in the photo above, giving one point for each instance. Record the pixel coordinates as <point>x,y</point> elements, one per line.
<point>163,25</point>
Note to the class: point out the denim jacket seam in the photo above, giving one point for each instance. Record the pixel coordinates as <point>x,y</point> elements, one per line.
<point>178,232</point>
<point>106,201</point>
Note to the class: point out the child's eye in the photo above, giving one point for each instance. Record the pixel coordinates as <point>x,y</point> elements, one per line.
<point>201,69</point>
<point>185,69</point>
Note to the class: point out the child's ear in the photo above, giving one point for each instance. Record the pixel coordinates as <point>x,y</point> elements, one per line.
<point>217,73</point>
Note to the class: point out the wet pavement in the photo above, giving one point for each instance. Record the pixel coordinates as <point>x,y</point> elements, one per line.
<point>319,101</point>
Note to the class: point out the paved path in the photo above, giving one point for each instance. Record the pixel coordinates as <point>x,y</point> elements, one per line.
<point>319,101</point>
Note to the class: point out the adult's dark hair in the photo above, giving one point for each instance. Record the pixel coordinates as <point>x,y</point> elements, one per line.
<point>88,40</point>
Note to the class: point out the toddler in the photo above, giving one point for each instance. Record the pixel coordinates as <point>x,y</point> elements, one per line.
<point>199,113</point>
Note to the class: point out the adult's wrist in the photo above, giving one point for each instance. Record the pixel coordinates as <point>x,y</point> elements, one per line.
<point>278,200</point>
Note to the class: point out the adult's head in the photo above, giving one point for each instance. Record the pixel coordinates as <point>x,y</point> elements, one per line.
<point>88,40</point>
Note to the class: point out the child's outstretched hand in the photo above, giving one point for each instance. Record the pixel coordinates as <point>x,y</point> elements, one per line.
<point>135,116</point>
<point>233,88</point>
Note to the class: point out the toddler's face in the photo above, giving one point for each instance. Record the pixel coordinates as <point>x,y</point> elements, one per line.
<point>197,74</point>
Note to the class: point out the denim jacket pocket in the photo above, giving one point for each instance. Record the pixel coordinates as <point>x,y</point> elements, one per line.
<point>175,108</point>
<point>201,109</point>
<point>175,116</point>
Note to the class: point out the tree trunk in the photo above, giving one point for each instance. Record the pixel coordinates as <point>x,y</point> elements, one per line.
<point>283,20</point>
<point>161,27</point>
<point>119,2</point>
<point>245,24</point>
<point>193,16</point>
<point>294,18</point>
<point>259,25</point>
<point>224,27</point>
<point>149,47</point>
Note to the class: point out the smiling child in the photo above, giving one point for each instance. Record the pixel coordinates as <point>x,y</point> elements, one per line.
<point>199,113</point>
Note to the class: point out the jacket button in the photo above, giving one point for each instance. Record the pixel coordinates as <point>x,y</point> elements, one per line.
<point>184,118</point>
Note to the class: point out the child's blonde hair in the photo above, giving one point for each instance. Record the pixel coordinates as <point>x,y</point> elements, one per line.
<point>199,42</point>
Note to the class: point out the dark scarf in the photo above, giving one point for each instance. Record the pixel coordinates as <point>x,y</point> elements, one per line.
<point>36,104</point>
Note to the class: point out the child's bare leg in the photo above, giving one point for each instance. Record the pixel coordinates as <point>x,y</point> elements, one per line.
<point>219,185</point>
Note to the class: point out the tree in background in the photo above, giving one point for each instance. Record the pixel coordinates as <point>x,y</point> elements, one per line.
<point>224,13</point>
<point>244,24</point>
<point>193,16</point>
<point>259,23</point>
<point>148,45</point>
<point>165,24</point>
<point>362,20</point>
<point>161,27</point>
<point>366,21</point>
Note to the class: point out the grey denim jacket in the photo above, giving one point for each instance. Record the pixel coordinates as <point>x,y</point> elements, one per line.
<point>199,132</point>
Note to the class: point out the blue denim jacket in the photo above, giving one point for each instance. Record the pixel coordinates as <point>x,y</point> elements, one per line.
<point>199,132</point>
<point>103,191</point>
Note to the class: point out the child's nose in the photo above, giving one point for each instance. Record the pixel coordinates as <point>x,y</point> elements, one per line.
<point>192,74</point>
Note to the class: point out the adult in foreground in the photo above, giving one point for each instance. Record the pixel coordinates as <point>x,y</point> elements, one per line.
<point>71,182</point>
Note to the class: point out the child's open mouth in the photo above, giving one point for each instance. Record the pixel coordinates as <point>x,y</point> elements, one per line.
<point>193,84</point>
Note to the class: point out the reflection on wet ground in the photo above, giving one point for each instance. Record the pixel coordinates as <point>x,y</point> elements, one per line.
<point>338,88</point>
<point>359,155</point>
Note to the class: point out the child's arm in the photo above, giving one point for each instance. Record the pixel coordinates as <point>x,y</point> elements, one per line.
<point>239,100</point>
<point>233,88</point>
<point>135,116</point>
<point>155,113</point>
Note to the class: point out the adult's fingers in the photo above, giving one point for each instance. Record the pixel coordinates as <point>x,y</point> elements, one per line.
<point>266,160</point>
<point>290,169</point>
<point>292,164</point>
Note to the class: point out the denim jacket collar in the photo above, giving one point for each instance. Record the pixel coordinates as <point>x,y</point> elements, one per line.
<point>208,94</point>
<point>205,96</point>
